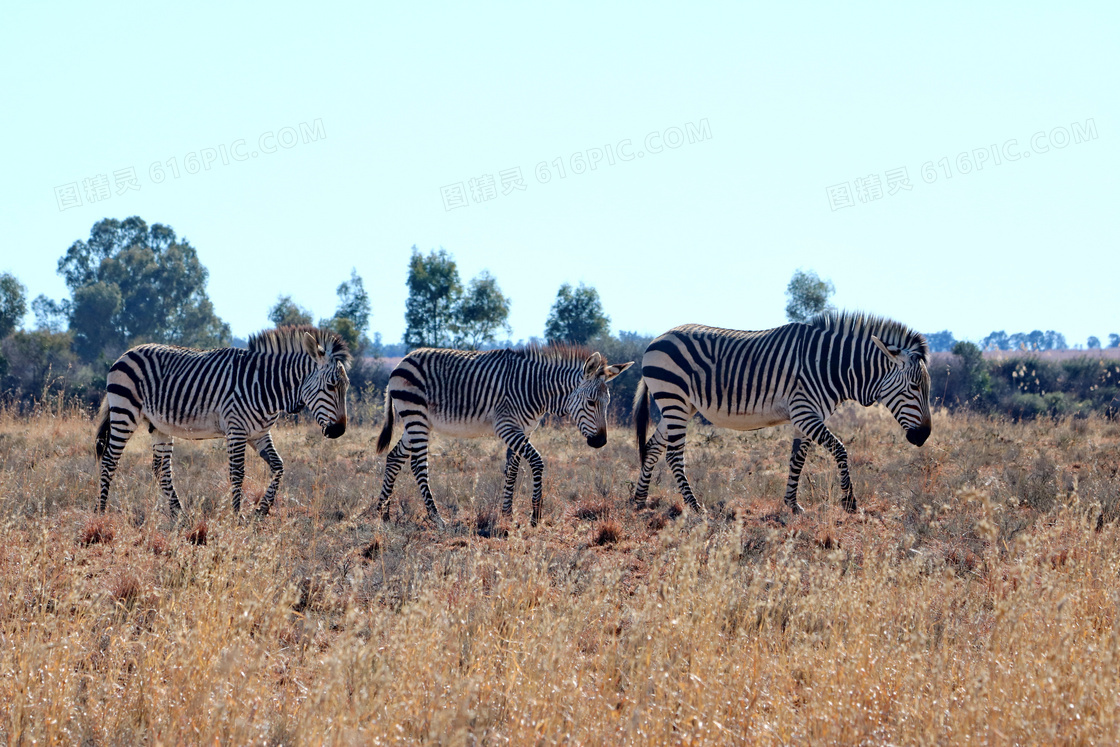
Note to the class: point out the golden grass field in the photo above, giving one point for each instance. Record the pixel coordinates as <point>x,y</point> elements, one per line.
<point>974,601</point>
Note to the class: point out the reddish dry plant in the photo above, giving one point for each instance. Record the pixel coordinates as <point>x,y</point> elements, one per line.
<point>608,533</point>
<point>199,533</point>
<point>97,530</point>
<point>158,544</point>
<point>126,589</point>
<point>657,523</point>
<point>592,511</point>
<point>372,550</point>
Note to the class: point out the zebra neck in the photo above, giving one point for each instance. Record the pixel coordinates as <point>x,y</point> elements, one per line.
<point>555,383</point>
<point>279,377</point>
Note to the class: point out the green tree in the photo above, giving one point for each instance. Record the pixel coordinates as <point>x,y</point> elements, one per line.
<point>433,296</point>
<point>160,282</point>
<point>576,316</point>
<point>13,303</point>
<point>480,313</point>
<point>1093,343</point>
<point>941,342</point>
<point>808,295</point>
<point>351,318</point>
<point>287,311</point>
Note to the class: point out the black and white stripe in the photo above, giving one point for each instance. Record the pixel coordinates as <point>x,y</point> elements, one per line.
<point>796,373</point>
<point>506,392</point>
<point>233,393</point>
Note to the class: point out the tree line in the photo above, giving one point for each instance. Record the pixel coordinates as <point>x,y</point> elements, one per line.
<point>131,283</point>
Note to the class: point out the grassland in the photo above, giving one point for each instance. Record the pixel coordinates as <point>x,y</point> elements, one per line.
<point>974,601</point>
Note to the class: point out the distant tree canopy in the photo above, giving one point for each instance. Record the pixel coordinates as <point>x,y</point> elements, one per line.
<point>351,318</point>
<point>13,303</point>
<point>1113,340</point>
<point>576,316</point>
<point>286,311</point>
<point>1093,343</point>
<point>941,342</point>
<point>438,313</point>
<point>481,311</point>
<point>807,295</point>
<point>1033,341</point>
<point>132,283</point>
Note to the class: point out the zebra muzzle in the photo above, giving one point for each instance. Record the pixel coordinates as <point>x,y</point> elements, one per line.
<point>598,440</point>
<point>334,430</point>
<point>918,436</point>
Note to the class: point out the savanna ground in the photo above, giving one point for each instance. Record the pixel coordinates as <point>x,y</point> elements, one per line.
<point>974,601</point>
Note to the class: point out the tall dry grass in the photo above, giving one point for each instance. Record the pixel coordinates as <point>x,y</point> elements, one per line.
<point>974,601</point>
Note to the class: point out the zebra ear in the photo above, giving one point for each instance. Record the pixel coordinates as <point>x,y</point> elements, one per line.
<point>593,364</point>
<point>890,351</point>
<point>617,368</point>
<point>312,347</point>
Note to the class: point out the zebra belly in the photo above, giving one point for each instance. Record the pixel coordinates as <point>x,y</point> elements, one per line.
<point>746,421</point>
<point>461,428</point>
<point>203,426</point>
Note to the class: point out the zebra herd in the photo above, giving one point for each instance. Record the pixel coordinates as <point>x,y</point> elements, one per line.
<point>798,373</point>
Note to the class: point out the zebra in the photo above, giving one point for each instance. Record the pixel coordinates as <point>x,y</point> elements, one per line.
<point>230,392</point>
<point>798,373</point>
<point>506,392</point>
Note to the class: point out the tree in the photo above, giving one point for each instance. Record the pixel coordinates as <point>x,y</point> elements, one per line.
<point>287,311</point>
<point>808,295</point>
<point>481,312</point>
<point>941,342</point>
<point>996,341</point>
<point>576,316</point>
<point>13,303</point>
<point>1093,343</point>
<point>1052,340</point>
<point>50,316</point>
<point>351,318</point>
<point>433,294</point>
<point>133,283</point>
<point>1113,340</point>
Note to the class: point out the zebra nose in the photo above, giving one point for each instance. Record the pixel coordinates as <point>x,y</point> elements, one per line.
<point>918,436</point>
<point>598,440</point>
<point>334,430</point>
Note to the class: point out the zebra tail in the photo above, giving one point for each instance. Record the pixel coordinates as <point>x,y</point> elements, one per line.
<point>641,418</point>
<point>387,429</point>
<point>102,441</point>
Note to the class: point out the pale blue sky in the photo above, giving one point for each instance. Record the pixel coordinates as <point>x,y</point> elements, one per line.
<point>797,99</point>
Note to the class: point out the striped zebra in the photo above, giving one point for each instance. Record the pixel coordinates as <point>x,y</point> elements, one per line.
<point>471,393</point>
<point>230,392</point>
<point>797,373</point>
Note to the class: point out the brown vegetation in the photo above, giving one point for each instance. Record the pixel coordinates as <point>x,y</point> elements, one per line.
<point>975,600</point>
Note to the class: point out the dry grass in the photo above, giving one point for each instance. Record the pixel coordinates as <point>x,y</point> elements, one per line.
<point>974,601</point>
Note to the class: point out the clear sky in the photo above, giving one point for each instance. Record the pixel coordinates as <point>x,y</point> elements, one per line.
<point>390,109</point>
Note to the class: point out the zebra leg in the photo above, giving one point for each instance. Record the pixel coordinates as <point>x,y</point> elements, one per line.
<point>796,463</point>
<point>162,445</point>
<point>675,457</point>
<point>121,427</point>
<point>393,464</point>
<point>513,462</point>
<point>235,448</point>
<point>267,450</point>
<point>654,448</point>
<point>418,442</point>
<point>815,429</point>
<point>515,438</point>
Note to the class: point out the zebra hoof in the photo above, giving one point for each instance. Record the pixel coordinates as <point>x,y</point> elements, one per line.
<point>850,505</point>
<point>795,508</point>
<point>437,520</point>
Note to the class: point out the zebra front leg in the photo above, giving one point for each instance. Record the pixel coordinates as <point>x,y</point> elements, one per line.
<point>654,448</point>
<point>267,450</point>
<point>815,429</point>
<point>796,463</point>
<point>162,445</point>
<point>518,442</point>
<point>235,448</point>
<point>393,464</point>
<point>513,462</point>
<point>418,441</point>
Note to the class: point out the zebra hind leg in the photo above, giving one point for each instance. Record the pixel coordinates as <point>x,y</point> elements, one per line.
<point>162,446</point>
<point>235,448</point>
<point>675,457</point>
<point>513,462</point>
<point>796,463</point>
<point>419,444</point>
<point>654,448</point>
<point>267,450</point>
<point>393,463</point>
<point>120,430</point>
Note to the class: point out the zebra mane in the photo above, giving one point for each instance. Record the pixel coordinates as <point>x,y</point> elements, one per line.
<point>289,339</point>
<point>887,330</point>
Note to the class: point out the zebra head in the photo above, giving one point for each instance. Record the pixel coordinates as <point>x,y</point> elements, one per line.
<point>905,390</point>
<point>323,391</point>
<point>587,404</point>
